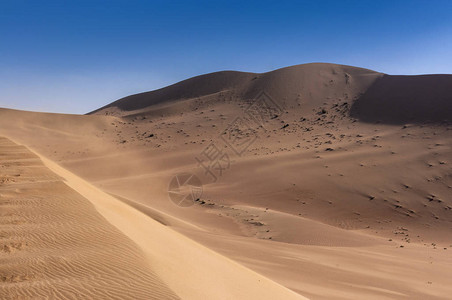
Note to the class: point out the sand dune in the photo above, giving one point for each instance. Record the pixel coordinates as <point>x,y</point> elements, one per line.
<point>343,193</point>
<point>297,87</point>
<point>63,250</point>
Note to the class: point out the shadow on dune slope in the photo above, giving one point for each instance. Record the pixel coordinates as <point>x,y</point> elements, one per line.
<point>406,99</point>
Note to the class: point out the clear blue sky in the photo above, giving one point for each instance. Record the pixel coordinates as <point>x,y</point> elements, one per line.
<point>75,56</point>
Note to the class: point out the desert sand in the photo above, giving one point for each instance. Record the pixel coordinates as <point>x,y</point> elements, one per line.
<point>336,183</point>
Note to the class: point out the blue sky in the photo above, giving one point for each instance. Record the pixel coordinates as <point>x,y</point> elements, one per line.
<point>75,56</point>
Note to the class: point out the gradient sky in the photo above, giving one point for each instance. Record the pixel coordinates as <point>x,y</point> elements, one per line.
<point>75,56</point>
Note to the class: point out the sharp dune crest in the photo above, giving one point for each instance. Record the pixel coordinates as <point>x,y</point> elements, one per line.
<point>54,244</point>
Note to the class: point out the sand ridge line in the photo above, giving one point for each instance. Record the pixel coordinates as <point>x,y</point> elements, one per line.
<point>191,270</point>
<point>55,244</point>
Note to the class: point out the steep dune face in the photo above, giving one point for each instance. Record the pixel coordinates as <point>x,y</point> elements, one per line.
<point>406,99</point>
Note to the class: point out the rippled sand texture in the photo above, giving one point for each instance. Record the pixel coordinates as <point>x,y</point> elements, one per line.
<point>54,244</point>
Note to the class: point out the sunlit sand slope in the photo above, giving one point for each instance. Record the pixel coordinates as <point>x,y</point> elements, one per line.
<point>54,244</point>
<point>57,244</point>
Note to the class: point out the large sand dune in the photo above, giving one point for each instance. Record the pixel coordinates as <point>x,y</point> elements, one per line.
<point>56,244</point>
<point>344,192</point>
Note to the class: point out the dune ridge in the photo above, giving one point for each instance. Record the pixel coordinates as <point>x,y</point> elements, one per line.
<point>179,262</point>
<point>309,83</point>
<point>392,99</point>
<point>55,245</point>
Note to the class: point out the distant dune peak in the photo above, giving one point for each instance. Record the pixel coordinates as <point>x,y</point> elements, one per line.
<point>373,96</point>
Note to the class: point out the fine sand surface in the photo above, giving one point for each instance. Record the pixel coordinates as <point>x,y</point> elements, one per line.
<point>343,192</point>
<point>59,242</point>
<point>54,244</point>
